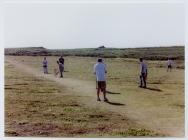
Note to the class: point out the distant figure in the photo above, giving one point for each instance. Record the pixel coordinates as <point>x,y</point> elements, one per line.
<point>143,73</point>
<point>61,60</point>
<point>100,71</point>
<point>61,69</point>
<point>45,65</point>
<point>169,64</point>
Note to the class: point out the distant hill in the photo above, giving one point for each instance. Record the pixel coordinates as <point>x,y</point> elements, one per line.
<point>151,53</point>
<point>33,51</point>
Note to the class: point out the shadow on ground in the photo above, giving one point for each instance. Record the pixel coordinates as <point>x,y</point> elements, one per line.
<point>109,92</point>
<point>114,103</point>
<point>154,89</point>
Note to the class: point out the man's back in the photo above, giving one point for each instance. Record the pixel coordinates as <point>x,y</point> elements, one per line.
<point>45,63</point>
<point>100,70</point>
<point>169,62</point>
<point>143,67</point>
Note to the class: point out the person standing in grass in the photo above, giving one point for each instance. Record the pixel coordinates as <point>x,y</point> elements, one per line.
<point>61,60</point>
<point>45,65</point>
<point>169,64</point>
<point>143,73</point>
<point>100,72</point>
<point>61,68</point>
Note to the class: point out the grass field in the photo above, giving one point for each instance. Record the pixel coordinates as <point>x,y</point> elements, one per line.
<point>38,106</point>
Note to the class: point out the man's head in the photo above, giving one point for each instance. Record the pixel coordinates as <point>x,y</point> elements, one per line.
<point>61,56</point>
<point>141,59</point>
<point>44,58</point>
<point>100,60</point>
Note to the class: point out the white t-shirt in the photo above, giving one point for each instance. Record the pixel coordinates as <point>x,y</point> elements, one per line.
<point>45,63</point>
<point>143,67</point>
<point>169,62</point>
<point>100,69</point>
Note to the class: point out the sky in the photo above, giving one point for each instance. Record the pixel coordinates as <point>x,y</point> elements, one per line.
<point>84,25</point>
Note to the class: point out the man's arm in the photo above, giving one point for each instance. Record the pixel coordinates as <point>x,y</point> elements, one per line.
<point>94,69</point>
<point>105,68</point>
<point>146,67</point>
<point>141,68</point>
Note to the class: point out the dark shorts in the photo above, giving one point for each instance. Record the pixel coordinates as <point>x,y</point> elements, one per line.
<point>143,75</point>
<point>61,68</point>
<point>169,66</point>
<point>101,85</point>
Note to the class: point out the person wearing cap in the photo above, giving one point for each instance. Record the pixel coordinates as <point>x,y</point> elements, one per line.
<point>143,73</point>
<point>100,72</point>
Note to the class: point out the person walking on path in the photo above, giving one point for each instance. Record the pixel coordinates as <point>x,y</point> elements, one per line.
<point>143,73</point>
<point>100,72</point>
<point>45,65</point>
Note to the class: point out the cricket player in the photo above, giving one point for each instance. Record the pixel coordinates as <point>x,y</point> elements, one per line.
<point>143,73</point>
<point>100,72</point>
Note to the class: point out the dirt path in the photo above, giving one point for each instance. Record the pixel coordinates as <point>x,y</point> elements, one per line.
<point>117,104</point>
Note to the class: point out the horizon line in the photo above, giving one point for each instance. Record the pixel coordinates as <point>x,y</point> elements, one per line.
<point>94,47</point>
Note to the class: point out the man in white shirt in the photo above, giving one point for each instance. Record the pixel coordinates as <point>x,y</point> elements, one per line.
<point>169,64</point>
<point>100,71</point>
<point>45,65</point>
<point>143,73</point>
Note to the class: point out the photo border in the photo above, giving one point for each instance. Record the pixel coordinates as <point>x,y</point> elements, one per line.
<point>5,2</point>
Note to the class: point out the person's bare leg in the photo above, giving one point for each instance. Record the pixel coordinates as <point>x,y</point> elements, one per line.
<point>140,81</point>
<point>104,94</point>
<point>144,79</point>
<point>98,92</point>
<point>61,74</point>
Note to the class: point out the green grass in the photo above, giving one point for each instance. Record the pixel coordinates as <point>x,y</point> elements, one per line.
<point>40,108</point>
<point>162,105</point>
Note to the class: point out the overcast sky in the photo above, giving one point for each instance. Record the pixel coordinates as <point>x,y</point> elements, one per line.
<point>92,25</point>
